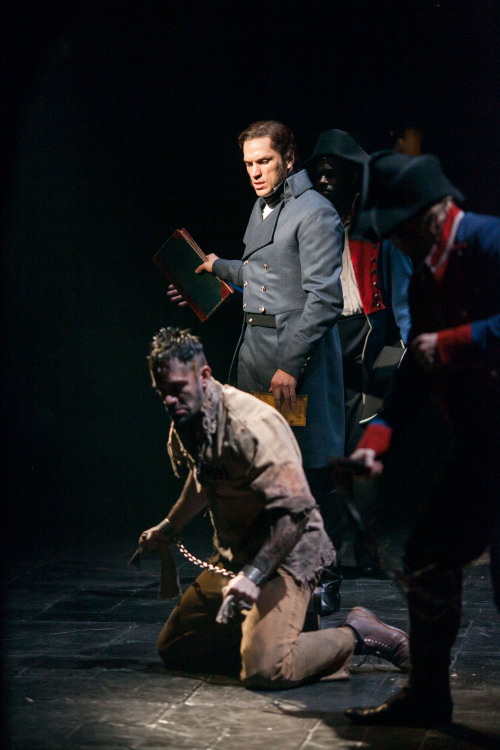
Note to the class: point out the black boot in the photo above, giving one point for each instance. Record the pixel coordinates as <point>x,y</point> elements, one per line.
<point>328,592</point>
<point>434,600</point>
<point>408,708</point>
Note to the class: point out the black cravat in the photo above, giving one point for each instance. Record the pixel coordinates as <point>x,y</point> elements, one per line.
<point>276,196</point>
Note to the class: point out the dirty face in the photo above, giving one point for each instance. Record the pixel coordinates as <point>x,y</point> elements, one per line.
<point>181,387</point>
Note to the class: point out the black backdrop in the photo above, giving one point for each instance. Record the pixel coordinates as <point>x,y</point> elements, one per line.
<point>122,120</point>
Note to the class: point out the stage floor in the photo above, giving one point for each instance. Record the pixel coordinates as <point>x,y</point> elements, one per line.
<point>81,668</point>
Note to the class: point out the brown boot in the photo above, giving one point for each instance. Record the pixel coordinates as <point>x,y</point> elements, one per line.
<point>377,638</point>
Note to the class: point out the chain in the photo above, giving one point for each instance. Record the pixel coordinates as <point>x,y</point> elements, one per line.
<point>203,564</point>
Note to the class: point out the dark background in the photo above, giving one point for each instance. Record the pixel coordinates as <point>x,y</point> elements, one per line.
<point>122,120</point>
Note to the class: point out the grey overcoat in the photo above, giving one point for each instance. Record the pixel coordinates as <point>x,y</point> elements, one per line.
<point>291,269</point>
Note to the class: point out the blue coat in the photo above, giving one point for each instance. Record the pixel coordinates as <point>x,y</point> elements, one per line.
<point>468,389</point>
<point>291,269</point>
<point>393,275</point>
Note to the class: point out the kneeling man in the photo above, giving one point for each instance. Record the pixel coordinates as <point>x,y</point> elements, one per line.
<point>245,468</point>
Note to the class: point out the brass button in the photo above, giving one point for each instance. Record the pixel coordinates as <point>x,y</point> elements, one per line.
<point>245,283</point>
<point>379,304</point>
<point>265,267</point>
<point>244,305</point>
<point>245,262</point>
<point>250,320</point>
<point>263,289</point>
<point>262,309</point>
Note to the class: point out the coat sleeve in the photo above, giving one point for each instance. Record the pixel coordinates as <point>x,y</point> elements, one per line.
<point>399,268</point>
<point>320,237</point>
<point>229,270</point>
<point>479,340</point>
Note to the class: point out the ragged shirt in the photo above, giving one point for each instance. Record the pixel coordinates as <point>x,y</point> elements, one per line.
<point>249,467</point>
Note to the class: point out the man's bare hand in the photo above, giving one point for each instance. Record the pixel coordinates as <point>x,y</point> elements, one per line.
<point>368,457</point>
<point>175,296</point>
<point>283,385</point>
<point>207,266</point>
<point>425,350</point>
<point>152,539</point>
<point>245,591</point>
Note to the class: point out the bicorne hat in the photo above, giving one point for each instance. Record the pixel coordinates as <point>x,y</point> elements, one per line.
<point>395,188</point>
<point>338,143</point>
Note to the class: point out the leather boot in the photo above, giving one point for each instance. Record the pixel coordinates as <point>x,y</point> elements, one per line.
<point>376,637</point>
<point>409,708</point>
<point>434,600</point>
<point>328,592</point>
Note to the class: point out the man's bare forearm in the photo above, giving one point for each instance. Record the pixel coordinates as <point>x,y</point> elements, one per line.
<point>189,504</point>
<point>168,531</point>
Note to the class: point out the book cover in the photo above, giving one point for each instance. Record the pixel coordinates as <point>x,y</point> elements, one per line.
<point>177,259</point>
<point>295,417</point>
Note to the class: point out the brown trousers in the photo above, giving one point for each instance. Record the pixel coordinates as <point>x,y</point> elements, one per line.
<point>265,644</point>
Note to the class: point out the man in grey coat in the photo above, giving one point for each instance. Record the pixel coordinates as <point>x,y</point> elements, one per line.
<point>292,298</point>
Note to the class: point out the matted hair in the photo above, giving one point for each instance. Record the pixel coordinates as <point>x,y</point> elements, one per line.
<point>175,343</point>
<point>281,137</point>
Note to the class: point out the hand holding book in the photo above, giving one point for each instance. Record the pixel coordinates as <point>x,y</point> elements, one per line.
<point>207,265</point>
<point>191,283</point>
<point>176,296</point>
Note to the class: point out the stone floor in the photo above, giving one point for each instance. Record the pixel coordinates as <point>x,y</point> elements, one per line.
<point>81,669</point>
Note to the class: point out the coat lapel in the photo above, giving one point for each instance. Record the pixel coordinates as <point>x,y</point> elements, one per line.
<point>260,232</point>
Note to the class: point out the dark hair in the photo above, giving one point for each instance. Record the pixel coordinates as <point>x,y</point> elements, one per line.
<point>175,343</point>
<point>281,137</point>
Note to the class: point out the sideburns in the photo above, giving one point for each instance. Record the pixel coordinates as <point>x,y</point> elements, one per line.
<point>288,156</point>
